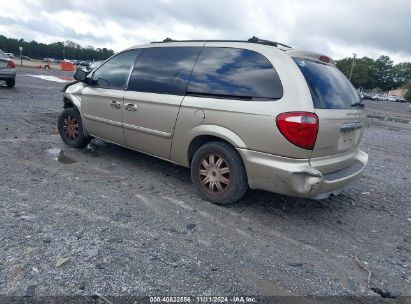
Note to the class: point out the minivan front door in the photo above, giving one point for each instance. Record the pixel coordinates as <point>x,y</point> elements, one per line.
<point>156,89</point>
<point>102,111</point>
<point>102,100</point>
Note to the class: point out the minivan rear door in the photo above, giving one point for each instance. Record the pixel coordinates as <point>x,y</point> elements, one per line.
<point>338,107</point>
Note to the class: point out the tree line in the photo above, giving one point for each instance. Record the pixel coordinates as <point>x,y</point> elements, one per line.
<point>378,75</point>
<point>57,50</point>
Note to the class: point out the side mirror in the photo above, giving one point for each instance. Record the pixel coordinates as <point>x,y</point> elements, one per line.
<point>80,75</point>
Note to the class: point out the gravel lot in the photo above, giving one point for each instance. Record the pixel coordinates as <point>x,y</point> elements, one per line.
<point>117,222</point>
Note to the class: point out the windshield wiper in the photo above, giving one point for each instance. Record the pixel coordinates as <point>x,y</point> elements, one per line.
<point>358,104</point>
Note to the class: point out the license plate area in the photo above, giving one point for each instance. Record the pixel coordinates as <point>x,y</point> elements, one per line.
<point>346,140</point>
<point>349,135</point>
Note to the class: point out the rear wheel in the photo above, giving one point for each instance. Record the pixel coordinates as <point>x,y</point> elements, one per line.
<point>71,128</point>
<point>11,83</point>
<point>218,173</point>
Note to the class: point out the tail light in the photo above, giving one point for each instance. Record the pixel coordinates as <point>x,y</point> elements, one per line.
<point>299,128</point>
<point>11,65</point>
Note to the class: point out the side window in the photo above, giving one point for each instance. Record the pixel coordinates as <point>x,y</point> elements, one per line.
<point>114,73</point>
<point>163,70</point>
<point>234,73</point>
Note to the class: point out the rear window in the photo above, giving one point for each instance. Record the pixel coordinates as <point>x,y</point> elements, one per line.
<point>330,89</point>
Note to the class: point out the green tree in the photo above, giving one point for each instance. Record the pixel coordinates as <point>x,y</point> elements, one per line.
<point>70,50</point>
<point>383,68</point>
<point>362,72</point>
<point>408,95</point>
<point>402,73</point>
<point>407,86</point>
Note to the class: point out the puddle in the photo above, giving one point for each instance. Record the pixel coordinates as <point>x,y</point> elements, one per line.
<point>60,156</point>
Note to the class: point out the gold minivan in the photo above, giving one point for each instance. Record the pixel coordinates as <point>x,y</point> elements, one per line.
<point>241,114</point>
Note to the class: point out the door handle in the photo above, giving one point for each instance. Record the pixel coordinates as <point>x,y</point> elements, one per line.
<point>131,107</point>
<point>115,104</point>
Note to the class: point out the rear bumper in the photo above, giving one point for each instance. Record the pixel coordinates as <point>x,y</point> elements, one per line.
<point>7,74</point>
<point>297,177</point>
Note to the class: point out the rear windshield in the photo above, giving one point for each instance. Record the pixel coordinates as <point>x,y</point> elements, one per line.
<point>3,54</point>
<point>330,89</point>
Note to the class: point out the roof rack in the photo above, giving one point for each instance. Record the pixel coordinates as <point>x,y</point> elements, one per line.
<point>251,40</point>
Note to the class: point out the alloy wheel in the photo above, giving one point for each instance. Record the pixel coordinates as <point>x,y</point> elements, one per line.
<point>214,173</point>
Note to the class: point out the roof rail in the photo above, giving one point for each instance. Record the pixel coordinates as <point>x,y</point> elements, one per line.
<point>251,40</point>
<point>267,42</point>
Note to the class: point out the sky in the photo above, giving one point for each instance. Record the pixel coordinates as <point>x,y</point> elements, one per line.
<point>337,28</point>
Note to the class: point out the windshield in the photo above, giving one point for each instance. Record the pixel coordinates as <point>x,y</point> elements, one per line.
<point>330,89</point>
<point>3,54</point>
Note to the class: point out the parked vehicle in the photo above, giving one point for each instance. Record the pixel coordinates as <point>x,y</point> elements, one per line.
<point>26,57</point>
<point>10,55</point>
<point>93,65</point>
<point>392,98</point>
<point>401,99</point>
<point>380,97</point>
<point>52,60</point>
<point>83,63</point>
<point>367,95</point>
<point>240,114</point>
<point>7,70</point>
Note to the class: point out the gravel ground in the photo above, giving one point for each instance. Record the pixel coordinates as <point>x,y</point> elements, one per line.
<point>117,222</point>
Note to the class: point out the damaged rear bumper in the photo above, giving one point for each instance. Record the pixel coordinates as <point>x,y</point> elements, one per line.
<point>299,177</point>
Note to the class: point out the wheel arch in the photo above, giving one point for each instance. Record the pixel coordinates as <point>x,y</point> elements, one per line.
<point>75,104</point>
<point>70,103</point>
<point>206,134</point>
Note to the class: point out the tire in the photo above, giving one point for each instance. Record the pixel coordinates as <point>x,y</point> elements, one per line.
<point>224,181</point>
<point>11,83</point>
<point>71,129</point>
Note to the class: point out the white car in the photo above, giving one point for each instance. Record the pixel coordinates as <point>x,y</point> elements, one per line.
<point>379,97</point>
<point>7,70</point>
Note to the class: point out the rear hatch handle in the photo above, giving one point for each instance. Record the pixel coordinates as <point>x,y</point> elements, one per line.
<point>351,126</point>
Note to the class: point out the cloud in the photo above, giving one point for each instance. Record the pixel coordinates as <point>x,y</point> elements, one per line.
<point>337,28</point>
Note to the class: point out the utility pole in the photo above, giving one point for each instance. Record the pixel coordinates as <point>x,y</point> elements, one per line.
<point>352,64</point>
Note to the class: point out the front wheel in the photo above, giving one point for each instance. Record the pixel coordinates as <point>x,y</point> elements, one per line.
<point>71,128</point>
<point>218,173</point>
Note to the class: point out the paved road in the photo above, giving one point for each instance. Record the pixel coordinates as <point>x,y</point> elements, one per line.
<point>130,224</point>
